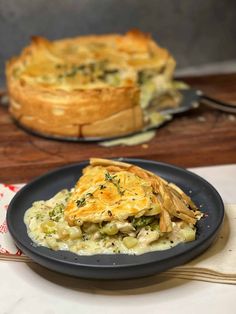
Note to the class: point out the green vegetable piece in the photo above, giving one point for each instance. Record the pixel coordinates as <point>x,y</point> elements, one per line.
<point>142,221</point>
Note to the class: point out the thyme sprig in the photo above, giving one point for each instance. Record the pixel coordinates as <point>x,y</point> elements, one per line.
<point>114,181</point>
<point>82,201</point>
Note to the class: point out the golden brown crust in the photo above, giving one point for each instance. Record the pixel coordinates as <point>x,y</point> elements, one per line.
<point>93,112</point>
<point>123,122</point>
<point>71,108</point>
<point>127,190</point>
<point>100,195</point>
<point>173,200</point>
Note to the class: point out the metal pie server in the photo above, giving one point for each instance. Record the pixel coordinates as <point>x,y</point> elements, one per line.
<point>192,98</point>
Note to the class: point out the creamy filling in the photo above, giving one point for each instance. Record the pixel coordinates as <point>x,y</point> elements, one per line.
<point>47,227</point>
<point>156,89</point>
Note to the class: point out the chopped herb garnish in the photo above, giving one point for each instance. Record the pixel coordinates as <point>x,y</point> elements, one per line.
<point>92,72</point>
<point>81,202</point>
<point>102,186</point>
<point>108,177</point>
<point>38,216</point>
<point>113,180</point>
<point>56,213</point>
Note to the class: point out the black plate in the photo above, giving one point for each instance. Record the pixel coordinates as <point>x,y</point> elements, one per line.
<point>190,100</point>
<point>116,266</point>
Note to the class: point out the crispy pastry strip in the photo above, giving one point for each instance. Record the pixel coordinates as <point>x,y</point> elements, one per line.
<point>174,202</point>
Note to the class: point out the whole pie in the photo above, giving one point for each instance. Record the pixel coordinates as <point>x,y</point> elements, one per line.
<point>89,86</point>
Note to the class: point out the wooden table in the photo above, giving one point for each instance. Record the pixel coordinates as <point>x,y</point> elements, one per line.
<point>198,138</point>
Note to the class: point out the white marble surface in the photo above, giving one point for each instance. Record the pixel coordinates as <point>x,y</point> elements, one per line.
<point>31,289</point>
<point>223,178</point>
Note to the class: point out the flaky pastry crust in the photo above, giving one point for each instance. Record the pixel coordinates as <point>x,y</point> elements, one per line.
<point>51,91</point>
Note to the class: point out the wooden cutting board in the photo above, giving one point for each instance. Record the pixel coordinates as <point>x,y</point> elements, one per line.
<point>200,137</point>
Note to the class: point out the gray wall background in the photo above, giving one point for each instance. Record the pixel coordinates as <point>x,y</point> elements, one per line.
<point>195,31</point>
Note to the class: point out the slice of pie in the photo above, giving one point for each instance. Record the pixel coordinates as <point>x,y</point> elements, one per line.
<point>114,207</point>
<point>116,191</point>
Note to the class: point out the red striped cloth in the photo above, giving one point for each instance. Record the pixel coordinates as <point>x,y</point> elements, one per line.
<point>7,246</point>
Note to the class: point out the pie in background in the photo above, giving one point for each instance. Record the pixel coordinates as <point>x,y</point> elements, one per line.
<point>90,86</point>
